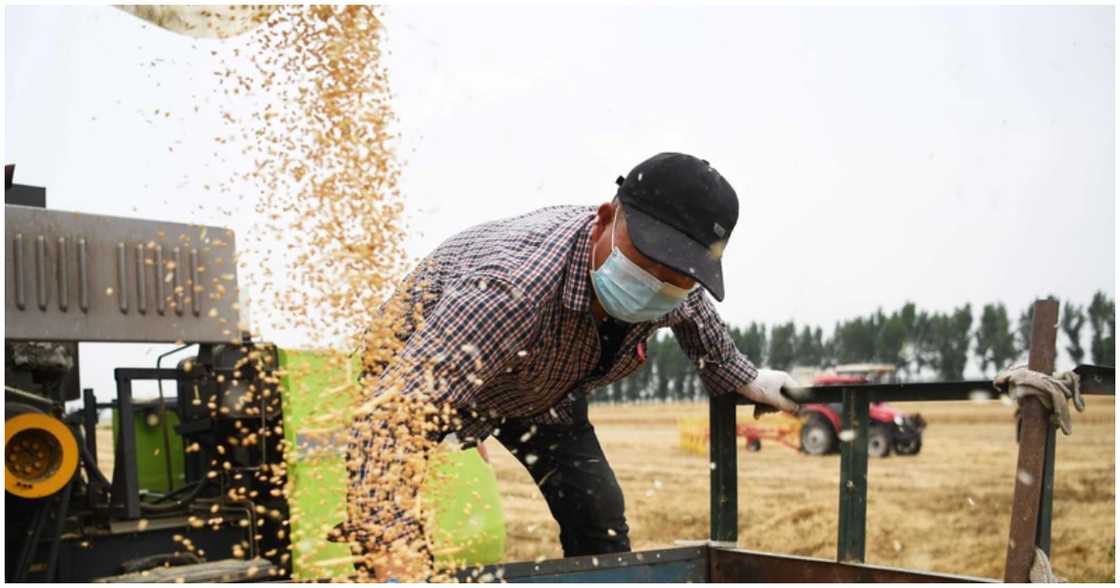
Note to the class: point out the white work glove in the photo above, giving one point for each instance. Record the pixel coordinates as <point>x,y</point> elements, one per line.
<point>766,392</point>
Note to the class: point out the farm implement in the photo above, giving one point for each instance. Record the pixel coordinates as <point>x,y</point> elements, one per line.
<point>780,428</point>
<point>817,430</point>
<point>234,472</point>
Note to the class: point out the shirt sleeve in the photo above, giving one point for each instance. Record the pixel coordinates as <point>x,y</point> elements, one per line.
<point>706,340</point>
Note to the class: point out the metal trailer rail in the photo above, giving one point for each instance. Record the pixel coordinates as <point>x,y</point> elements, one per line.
<point>720,561</point>
<point>700,563</point>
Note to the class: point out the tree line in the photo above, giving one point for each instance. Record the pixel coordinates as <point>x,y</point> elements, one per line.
<point>921,344</point>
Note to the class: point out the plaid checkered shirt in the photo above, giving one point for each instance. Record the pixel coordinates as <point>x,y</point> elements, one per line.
<point>507,311</point>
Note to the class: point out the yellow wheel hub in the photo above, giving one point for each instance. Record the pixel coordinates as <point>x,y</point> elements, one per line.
<point>40,455</point>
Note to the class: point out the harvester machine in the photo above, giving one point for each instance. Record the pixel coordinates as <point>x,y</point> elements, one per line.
<point>227,463</point>
<point>194,470</point>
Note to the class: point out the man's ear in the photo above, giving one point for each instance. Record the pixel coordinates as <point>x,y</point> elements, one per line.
<point>603,217</point>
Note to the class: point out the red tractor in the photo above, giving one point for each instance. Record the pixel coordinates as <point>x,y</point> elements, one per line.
<point>890,429</point>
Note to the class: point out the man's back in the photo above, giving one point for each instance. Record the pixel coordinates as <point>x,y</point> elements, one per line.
<point>508,301</point>
<point>526,252</point>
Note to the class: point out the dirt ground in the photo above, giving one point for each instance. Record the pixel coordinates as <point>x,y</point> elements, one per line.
<point>946,510</point>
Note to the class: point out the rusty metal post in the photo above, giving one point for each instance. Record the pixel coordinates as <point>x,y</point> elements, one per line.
<point>1034,422</point>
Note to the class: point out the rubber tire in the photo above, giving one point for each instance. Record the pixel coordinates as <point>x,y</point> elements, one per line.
<point>901,449</point>
<point>878,441</point>
<point>817,435</point>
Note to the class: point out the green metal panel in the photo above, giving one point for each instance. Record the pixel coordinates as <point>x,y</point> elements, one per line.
<point>161,469</point>
<point>723,455</point>
<point>853,478</point>
<point>319,392</point>
<point>316,410</point>
<point>470,526</point>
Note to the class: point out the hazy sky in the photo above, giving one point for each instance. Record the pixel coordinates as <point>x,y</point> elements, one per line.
<point>882,154</point>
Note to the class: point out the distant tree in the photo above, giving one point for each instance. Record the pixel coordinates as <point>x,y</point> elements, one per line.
<point>1023,332</point>
<point>822,351</point>
<point>890,338</point>
<point>602,396</point>
<point>828,351</point>
<point>663,352</point>
<point>655,356</point>
<point>782,341</point>
<point>678,368</point>
<point>949,341</point>
<point>754,343</point>
<point>915,351</point>
<point>855,340</point>
<point>693,386</point>
<point>808,348</point>
<point>1073,319</point>
<point>1102,320</point>
<point>995,343</point>
<point>842,341</point>
<point>751,341</point>
<point>626,390</point>
<point>659,358</point>
<point>908,314</point>
<point>643,380</point>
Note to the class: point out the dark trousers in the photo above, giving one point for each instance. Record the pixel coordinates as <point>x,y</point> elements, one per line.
<point>569,467</point>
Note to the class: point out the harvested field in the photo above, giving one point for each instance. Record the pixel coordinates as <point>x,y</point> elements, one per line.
<point>946,510</point>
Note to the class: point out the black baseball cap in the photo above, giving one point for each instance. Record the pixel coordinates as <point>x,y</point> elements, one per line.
<point>680,212</point>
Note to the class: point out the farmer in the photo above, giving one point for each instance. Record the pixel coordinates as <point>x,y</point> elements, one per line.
<point>529,315</point>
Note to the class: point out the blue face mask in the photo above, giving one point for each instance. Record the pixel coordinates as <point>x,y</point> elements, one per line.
<point>630,293</point>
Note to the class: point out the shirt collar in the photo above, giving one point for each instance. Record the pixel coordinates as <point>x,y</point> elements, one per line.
<point>576,293</point>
